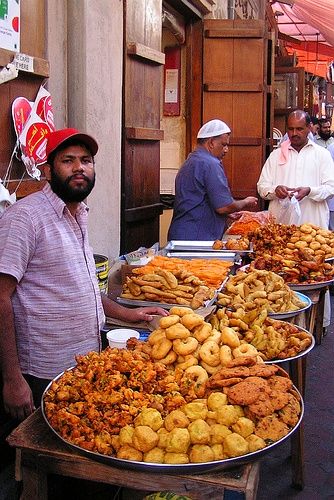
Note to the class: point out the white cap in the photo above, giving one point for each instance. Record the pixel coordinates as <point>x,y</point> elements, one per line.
<point>213,128</point>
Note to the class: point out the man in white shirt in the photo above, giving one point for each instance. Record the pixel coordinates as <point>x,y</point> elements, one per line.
<point>303,169</point>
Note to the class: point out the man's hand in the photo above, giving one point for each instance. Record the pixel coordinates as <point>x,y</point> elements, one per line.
<point>145,313</point>
<point>301,192</point>
<point>283,192</point>
<point>250,202</point>
<point>17,398</point>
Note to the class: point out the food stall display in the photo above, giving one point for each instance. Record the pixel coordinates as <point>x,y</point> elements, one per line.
<point>135,406</point>
<point>275,340</point>
<point>166,280</point>
<point>257,288</point>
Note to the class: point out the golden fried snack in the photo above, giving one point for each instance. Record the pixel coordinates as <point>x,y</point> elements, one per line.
<point>156,336</point>
<point>156,455</point>
<point>176,458</point>
<point>163,436</point>
<point>235,445</point>
<point>177,331</point>
<point>201,453</point>
<point>187,362</point>
<point>218,451</point>
<point>210,369</point>
<point>169,277</point>
<point>180,311</point>
<point>216,400</point>
<point>202,332</point>
<point>227,415</point>
<point>290,412</point>
<point>244,393</point>
<point>255,443</point>
<point>190,321</point>
<point>199,432</point>
<point>195,410</point>
<point>218,433</point>
<point>271,427</point>
<point>230,337</point>
<point>169,359</point>
<point>150,417</point>
<point>225,354</point>
<point>144,438</point>
<point>262,407</point>
<point>126,435</point>
<point>178,440</point>
<point>244,426</point>
<point>161,348</point>
<point>176,418</point>
<point>245,350</point>
<point>168,321</point>
<point>185,346</point>
<point>198,376</point>
<point>128,452</point>
<point>209,353</point>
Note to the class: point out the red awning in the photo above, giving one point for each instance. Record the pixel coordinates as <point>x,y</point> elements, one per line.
<point>310,24</point>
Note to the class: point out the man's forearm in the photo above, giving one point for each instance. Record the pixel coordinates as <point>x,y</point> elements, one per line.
<point>9,361</point>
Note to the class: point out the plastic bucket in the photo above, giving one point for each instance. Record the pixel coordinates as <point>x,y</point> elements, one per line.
<point>102,271</point>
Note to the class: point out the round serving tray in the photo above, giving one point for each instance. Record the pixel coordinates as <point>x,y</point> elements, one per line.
<point>309,286</point>
<point>291,314</point>
<point>192,468</point>
<point>299,355</point>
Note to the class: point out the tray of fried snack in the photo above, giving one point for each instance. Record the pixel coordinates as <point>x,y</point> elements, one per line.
<point>176,282</point>
<point>275,340</point>
<point>251,289</point>
<point>144,413</point>
<point>218,248</point>
<point>277,238</point>
<point>302,268</point>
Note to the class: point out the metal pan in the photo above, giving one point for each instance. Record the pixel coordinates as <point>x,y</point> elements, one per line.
<point>192,468</point>
<point>291,314</point>
<point>299,355</point>
<point>300,287</point>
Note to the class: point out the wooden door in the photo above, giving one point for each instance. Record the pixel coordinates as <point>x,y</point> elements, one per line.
<point>236,83</point>
<point>143,60</point>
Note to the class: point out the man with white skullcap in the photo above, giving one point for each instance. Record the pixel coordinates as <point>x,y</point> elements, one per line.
<point>202,195</point>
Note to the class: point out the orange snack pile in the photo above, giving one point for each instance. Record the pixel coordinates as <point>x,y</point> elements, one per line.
<point>248,222</point>
<point>211,271</point>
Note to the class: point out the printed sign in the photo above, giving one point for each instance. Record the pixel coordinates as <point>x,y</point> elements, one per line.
<point>10,25</point>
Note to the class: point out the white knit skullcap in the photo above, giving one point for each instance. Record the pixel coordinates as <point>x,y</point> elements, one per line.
<point>213,128</point>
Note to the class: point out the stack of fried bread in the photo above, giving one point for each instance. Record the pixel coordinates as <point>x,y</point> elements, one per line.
<point>137,405</point>
<point>257,288</point>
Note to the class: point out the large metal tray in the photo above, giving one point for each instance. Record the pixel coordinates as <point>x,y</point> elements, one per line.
<point>201,246</point>
<point>192,468</point>
<point>299,355</point>
<point>310,286</point>
<point>291,314</point>
<point>164,305</point>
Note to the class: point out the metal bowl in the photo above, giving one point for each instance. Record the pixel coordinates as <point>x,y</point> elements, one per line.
<point>192,468</point>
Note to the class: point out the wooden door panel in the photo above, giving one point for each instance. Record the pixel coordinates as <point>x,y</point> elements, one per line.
<point>141,207</point>
<point>236,88</point>
<point>244,178</point>
<point>241,109</point>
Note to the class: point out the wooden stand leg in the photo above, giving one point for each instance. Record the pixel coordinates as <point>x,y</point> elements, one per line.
<point>34,484</point>
<point>297,457</point>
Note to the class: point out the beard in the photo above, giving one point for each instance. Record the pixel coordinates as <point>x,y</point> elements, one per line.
<point>324,135</point>
<point>68,194</point>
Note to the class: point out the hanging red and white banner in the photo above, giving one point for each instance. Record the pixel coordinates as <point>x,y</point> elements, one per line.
<point>33,121</point>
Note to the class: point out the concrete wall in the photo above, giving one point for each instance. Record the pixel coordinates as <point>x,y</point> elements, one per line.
<point>85,47</point>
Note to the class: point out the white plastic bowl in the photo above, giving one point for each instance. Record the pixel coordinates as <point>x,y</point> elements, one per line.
<point>119,337</point>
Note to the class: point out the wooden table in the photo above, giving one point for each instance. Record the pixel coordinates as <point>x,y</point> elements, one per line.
<point>40,452</point>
